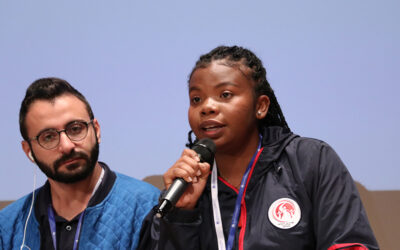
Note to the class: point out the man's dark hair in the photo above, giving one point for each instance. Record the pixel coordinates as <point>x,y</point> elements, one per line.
<point>244,56</point>
<point>47,89</point>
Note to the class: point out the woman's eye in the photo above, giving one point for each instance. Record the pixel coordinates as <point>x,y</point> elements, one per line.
<point>196,99</point>
<point>226,95</point>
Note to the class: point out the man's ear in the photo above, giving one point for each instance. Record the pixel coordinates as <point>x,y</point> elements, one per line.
<point>27,149</point>
<point>31,156</point>
<point>97,129</point>
<point>262,106</point>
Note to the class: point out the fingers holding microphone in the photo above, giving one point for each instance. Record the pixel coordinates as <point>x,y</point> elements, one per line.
<point>186,179</point>
<point>194,172</point>
<point>186,167</point>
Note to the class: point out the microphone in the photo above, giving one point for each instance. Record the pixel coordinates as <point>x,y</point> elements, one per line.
<point>205,148</point>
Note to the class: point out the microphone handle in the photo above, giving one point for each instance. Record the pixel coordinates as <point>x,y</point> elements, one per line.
<point>171,196</point>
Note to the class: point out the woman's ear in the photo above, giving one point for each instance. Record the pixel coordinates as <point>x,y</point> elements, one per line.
<point>262,106</point>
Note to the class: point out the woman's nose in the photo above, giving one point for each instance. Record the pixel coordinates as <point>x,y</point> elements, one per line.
<point>209,107</point>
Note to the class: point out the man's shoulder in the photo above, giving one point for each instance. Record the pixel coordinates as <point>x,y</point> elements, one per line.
<point>15,211</point>
<point>126,185</point>
<point>16,205</point>
<point>133,182</point>
<point>130,184</point>
<point>131,194</point>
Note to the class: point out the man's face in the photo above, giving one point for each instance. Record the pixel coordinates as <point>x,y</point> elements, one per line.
<point>70,161</point>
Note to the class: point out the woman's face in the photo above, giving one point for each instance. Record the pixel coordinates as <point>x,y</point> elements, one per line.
<point>222,104</point>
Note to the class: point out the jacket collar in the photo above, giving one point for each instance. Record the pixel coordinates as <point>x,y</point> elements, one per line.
<point>274,141</point>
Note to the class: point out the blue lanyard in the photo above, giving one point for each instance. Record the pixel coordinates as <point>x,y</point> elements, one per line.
<point>236,212</point>
<point>53,229</point>
<point>52,221</point>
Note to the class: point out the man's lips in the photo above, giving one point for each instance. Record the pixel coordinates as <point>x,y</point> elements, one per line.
<point>70,161</point>
<point>71,164</point>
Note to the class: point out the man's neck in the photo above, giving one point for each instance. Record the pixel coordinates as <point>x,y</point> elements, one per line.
<point>69,200</point>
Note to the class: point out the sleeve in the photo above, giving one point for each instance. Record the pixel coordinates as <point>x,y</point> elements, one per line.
<point>177,230</point>
<point>340,218</point>
<point>148,199</point>
<point>1,238</point>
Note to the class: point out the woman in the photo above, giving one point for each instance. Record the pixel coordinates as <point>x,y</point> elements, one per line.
<point>268,188</point>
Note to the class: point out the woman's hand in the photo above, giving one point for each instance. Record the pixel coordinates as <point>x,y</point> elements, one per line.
<point>194,172</point>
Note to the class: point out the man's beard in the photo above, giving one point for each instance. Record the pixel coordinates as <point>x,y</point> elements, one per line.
<point>87,168</point>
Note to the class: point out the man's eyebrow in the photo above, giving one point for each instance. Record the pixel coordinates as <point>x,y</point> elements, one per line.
<point>68,123</point>
<point>43,130</point>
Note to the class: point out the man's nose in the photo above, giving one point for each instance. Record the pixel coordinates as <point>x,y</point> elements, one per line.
<point>65,144</point>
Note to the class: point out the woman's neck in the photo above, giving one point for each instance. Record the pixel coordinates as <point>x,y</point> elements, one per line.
<point>233,165</point>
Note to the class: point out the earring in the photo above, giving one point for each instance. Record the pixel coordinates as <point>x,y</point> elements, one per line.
<point>258,113</point>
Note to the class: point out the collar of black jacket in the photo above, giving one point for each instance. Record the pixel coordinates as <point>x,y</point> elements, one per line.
<point>274,141</point>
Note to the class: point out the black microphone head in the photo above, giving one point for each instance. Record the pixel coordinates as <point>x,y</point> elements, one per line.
<point>206,150</point>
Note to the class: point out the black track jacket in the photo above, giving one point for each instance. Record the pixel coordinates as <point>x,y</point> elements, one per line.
<point>308,172</point>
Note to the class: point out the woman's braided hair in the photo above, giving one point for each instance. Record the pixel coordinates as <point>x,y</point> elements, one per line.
<point>244,56</point>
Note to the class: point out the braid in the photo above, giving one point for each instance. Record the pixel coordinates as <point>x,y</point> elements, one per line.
<point>244,56</point>
<point>190,142</point>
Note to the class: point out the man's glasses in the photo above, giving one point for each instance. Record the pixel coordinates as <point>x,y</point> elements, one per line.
<point>50,138</point>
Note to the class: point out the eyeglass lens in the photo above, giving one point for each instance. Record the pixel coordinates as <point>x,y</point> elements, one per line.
<point>75,131</point>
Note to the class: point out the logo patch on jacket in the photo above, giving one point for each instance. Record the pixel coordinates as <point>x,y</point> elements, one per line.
<point>284,213</point>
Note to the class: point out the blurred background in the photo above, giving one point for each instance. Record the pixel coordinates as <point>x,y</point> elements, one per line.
<point>333,65</point>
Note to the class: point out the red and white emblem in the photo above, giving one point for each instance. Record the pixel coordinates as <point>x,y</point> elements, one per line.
<point>284,213</point>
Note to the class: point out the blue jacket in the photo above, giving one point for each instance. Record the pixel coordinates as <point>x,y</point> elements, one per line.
<point>114,223</point>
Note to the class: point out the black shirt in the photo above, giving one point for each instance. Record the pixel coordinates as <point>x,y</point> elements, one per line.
<point>66,229</point>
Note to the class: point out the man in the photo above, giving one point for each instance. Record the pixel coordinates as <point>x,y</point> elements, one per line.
<point>83,204</point>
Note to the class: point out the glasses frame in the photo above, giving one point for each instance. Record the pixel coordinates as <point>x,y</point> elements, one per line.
<point>62,130</point>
